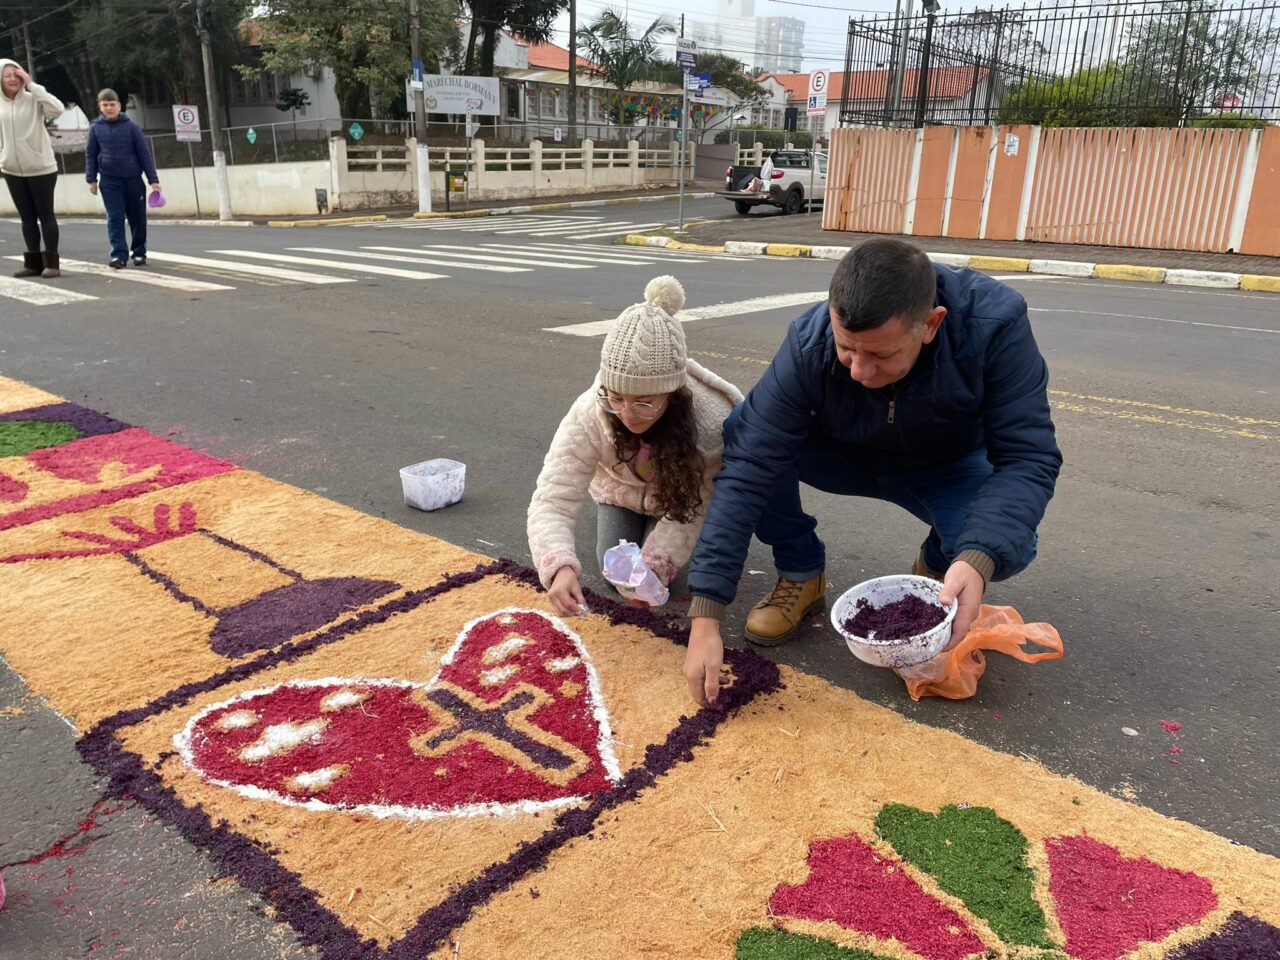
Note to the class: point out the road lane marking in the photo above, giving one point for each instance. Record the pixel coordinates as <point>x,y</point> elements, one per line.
<point>1131,316</point>
<point>337,264</point>
<point>249,269</point>
<point>1185,411</point>
<point>39,294</point>
<point>139,276</point>
<point>598,328</point>
<point>402,258</point>
<point>606,255</point>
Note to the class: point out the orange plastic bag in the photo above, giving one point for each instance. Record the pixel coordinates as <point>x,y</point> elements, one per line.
<point>954,673</point>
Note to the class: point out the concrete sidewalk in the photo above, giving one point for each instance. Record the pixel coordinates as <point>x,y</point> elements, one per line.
<point>806,230</point>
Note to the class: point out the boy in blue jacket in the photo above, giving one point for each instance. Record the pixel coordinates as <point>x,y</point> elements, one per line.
<point>115,160</point>
<point>917,384</point>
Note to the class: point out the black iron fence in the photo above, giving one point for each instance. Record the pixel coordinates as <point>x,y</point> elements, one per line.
<point>1162,63</point>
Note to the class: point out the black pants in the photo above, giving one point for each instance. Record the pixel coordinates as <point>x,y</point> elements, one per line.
<point>33,196</point>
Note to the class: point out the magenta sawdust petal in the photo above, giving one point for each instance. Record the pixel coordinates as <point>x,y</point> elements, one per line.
<point>1109,904</point>
<point>1240,938</point>
<point>853,885</point>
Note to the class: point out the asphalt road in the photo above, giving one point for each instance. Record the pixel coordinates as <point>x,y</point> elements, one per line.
<point>1158,555</point>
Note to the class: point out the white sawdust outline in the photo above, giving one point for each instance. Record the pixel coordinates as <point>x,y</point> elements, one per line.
<point>604,743</point>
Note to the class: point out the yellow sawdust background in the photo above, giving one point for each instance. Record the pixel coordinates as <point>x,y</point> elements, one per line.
<point>678,872</point>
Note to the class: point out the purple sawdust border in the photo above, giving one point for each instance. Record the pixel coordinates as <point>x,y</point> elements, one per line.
<point>257,870</point>
<point>89,423</point>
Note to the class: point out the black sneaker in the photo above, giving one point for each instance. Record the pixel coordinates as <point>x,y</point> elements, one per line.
<point>117,264</point>
<point>139,261</point>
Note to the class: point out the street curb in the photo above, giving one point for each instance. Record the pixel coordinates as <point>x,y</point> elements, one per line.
<point>157,221</point>
<point>490,211</point>
<point>1063,268</point>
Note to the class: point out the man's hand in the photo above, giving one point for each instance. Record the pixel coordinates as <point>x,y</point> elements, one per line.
<point>702,662</point>
<point>566,593</point>
<point>965,585</point>
<point>93,188</point>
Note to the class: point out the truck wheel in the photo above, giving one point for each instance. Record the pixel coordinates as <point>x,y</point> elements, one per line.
<point>742,207</point>
<point>793,203</point>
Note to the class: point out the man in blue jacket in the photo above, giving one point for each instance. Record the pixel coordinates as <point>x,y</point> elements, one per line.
<point>917,384</point>
<point>115,159</point>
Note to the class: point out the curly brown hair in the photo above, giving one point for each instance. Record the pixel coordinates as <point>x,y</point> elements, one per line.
<point>677,464</point>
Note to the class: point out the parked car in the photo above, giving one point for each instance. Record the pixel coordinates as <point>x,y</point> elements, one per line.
<point>792,183</point>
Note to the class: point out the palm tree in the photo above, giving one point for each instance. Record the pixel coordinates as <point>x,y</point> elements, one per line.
<point>621,59</point>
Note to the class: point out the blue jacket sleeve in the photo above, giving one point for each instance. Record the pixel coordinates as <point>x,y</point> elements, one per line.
<point>1002,519</point>
<point>771,426</point>
<point>91,150</point>
<point>144,155</point>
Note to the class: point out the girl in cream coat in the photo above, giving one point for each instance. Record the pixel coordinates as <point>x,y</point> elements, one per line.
<point>643,441</point>
<point>29,166</point>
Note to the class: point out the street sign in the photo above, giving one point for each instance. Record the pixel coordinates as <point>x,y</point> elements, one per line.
<point>415,83</point>
<point>559,135</point>
<point>252,136</point>
<point>686,54</point>
<point>186,123</point>
<point>698,81</point>
<point>817,92</point>
<point>355,130</point>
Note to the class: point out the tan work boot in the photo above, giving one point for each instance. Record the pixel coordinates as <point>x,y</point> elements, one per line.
<point>774,620</point>
<point>920,570</point>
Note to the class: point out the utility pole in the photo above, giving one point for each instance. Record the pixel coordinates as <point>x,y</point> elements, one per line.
<point>420,115</point>
<point>904,33</point>
<point>684,112</point>
<point>573,71</point>
<point>215,112</point>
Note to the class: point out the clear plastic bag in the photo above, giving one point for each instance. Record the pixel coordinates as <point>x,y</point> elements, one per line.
<point>624,567</point>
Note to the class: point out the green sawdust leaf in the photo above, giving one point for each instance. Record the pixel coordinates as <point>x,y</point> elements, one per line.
<point>975,855</point>
<point>20,437</point>
<point>768,943</point>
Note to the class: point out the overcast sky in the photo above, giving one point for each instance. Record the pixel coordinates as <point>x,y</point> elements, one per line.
<point>826,22</point>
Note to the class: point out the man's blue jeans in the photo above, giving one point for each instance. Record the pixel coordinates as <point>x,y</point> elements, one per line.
<point>125,199</point>
<point>940,496</point>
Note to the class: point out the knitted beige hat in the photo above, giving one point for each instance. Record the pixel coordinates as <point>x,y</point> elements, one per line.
<point>644,351</point>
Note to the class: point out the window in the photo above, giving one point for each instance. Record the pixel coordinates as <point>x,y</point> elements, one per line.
<point>547,107</point>
<point>513,102</point>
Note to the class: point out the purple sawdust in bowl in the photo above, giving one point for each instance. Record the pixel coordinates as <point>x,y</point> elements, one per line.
<point>901,619</point>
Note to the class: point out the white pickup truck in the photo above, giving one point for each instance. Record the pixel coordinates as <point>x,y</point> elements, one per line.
<point>792,184</point>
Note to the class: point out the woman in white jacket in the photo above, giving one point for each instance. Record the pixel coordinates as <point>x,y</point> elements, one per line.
<point>29,166</point>
<point>644,442</point>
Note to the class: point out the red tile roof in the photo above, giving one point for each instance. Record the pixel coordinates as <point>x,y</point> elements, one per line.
<point>945,83</point>
<point>548,56</point>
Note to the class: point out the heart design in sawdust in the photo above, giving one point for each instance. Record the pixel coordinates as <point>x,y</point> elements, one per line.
<point>514,722</point>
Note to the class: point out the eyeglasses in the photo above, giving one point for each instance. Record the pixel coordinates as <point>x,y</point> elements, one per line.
<point>641,411</point>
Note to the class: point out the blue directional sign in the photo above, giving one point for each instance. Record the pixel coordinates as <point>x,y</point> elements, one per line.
<point>703,81</point>
<point>356,131</point>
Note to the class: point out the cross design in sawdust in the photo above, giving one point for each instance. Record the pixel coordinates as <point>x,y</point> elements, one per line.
<point>962,884</point>
<point>528,734</point>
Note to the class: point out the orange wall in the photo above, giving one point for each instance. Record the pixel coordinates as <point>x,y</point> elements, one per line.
<point>1006,184</point>
<point>931,192</point>
<point>971,174</point>
<point>1262,226</point>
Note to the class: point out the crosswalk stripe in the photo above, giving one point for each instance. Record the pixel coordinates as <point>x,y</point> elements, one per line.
<point>411,259</point>
<point>140,276</point>
<point>249,269</point>
<point>648,254</point>
<point>516,255</point>
<point>39,294</point>
<point>604,256</point>
<point>335,264</point>
<point>550,229</point>
<point>631,228</point>
<point>596,328</point>
<point>502,223</point>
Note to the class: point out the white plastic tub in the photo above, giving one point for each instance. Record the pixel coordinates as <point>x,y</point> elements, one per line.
<point>896,654</point>
<point>433,484</point>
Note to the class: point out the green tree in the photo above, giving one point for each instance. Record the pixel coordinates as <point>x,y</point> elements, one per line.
<point>1106,96</point>
<point>1198,53</point>
<point>533,20</point>
<point>621,59</point>
<point>365,44</point>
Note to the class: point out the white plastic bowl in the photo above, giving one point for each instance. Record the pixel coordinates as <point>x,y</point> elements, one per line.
<point>905,652</point>
<point>433,484</point>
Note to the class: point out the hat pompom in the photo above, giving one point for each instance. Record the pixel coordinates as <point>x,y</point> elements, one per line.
<point>665,293</point>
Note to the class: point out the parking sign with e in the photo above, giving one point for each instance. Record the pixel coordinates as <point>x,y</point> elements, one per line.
<point>186,123</point>
<point>817,92</point>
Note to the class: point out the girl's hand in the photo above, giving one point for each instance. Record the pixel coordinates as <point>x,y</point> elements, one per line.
<point>566,593</point>
<point>23,76</point>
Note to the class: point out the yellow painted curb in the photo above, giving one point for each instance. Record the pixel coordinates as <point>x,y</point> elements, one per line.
<point>698,247</point>
<point>451,215</point>
<point>636,240</point>
<point>374,218</point>
<point>789,250</point>
<point>549,206</point>
<point>1115,271</point>
<point>1256,281</point>
<point>1016,264</point>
